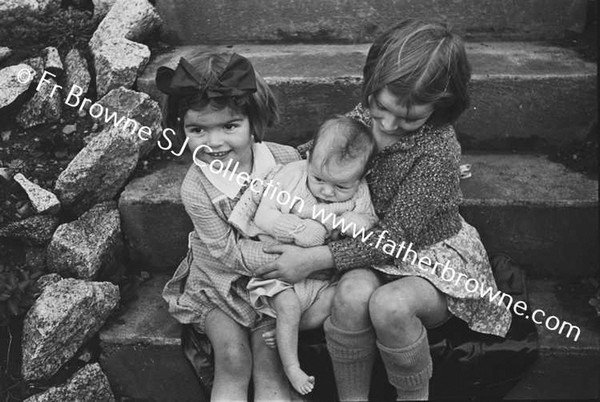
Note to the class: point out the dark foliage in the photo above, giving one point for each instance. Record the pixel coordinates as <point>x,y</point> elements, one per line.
<point>29,31</point>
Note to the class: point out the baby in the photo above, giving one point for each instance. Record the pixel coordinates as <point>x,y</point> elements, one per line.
<point>328,196</point>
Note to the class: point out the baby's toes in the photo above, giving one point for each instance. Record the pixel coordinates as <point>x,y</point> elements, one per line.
<point>309,385</point>
<point>307,388</point>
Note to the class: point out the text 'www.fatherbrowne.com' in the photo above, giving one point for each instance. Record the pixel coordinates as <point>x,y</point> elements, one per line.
<point>390,247</point>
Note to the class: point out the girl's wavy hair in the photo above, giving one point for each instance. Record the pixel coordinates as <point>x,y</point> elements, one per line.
<point>260,106</point>
<point>420,62</point>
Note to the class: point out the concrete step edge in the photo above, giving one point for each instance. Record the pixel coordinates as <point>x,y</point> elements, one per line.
<point>300,62</point>
<point>535,180</point>
<point>546,93</point>
<point>145,321</point>
<point>229,21</point>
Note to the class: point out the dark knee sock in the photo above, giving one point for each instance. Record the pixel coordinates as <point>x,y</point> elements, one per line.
<point>352,355</point>
<point>409,368</point>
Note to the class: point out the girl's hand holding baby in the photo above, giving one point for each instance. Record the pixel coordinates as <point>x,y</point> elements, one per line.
<point>295,263</point>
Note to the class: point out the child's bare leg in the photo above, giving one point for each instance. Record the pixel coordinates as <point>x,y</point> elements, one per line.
<point>233,358</point>
<point>270,382</point>
<point>315,315</point>
<point>312,318</point>
<point>287,306</point>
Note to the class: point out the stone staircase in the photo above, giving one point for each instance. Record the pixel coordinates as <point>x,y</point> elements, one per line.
<point>530,98</point>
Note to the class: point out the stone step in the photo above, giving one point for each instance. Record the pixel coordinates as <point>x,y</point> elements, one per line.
<point>526,96</point>
<point>142,358</point>
<point>535,210</point>
<point>141,349</point>
<point>319,21</point>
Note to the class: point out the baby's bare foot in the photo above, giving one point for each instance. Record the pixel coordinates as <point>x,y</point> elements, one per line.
<point>301,382</point>
<point>270,339</point>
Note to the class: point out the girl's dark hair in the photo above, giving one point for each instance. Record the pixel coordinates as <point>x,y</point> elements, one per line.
<point>260,106</point>
<point>420,62</point>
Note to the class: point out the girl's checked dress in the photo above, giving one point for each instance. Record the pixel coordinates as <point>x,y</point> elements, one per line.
<point>219,261</point>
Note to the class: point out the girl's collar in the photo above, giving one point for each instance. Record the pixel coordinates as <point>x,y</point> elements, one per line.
<point>228,182</point>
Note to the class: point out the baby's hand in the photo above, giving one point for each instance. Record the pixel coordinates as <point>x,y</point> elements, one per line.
<point>312,234</point>
<point>335,235</point>
<point>286,226</point>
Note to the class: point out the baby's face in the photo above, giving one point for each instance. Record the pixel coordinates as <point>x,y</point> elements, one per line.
<point>333,183</point>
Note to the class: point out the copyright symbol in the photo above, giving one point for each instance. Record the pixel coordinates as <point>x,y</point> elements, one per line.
<point>25,75</point>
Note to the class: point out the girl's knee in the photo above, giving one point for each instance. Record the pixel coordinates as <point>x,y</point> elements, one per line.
<point>390,307</point>
<point>353,292</point>
<point>234,361</point>
<point>405,302</point>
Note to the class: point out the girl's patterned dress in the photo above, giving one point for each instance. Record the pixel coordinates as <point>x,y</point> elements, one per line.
<point>414,185</point>
<point>219,262</point>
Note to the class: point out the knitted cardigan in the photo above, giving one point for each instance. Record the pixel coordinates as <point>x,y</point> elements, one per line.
<point>414,185</point>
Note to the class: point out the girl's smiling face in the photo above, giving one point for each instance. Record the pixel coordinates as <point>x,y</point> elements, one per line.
<point>221,134</point>
<point>391,118</point>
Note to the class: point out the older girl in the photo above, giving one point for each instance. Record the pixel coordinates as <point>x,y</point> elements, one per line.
<point>397,284</point>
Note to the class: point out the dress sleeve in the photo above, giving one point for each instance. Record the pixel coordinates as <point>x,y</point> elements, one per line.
<point>431,181</point>
<point>238,254</point>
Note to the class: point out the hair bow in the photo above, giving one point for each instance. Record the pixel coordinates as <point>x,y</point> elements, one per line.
<point>237,79</point>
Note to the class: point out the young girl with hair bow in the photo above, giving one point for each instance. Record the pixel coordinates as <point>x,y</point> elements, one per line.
<point>222,108</point>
